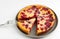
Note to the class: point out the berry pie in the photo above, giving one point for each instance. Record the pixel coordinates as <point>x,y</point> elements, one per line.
<point>42,16</point>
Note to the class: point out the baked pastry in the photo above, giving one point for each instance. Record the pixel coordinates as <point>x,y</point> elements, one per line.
<point>43,17</point>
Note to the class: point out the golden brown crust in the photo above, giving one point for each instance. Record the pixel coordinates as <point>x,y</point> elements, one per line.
<point>22,28</point>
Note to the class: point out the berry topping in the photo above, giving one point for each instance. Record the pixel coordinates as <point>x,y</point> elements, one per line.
<point>44,8</point>
<point>51,19</point>
<point>41,28</point>
<point>29,10</point>
<point>33,7</point>
<point>50,15</point>
<point>26,25</point>
<point>48,24</point>
<point>41,24</point>
<point>29,22</point>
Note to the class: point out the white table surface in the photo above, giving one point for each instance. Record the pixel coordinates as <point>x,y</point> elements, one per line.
<point>9,9</point>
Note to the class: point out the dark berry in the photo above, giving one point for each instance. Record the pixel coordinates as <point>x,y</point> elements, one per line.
<point>29,22</point>
<point>45,8</point>
<point>41,24</point>
<point>51,19</point>
<point>48,24</point>
<point>37,28</point>
<point>41,28</point>
<point>26,25</point>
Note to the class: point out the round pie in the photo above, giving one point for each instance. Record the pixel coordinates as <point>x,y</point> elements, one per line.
<point>42,16</point>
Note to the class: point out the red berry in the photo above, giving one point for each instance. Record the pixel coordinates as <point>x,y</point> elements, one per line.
<point>48,24</point>
<point>37,22</point>
<point>29,22</point>
<point>23,16</point>
<point>22,13</point>
<point>38,12</point>
<point>50,15</point>
<point>41,28</point>
<point>45,28</point>
<point>37,28</point>
<point>33,7</point>
<point>26,25</point>
<point>48,12</point>
<point>51,19</point>
<point>29,10</point>
<point>44,8</point>
<point>41,24</point>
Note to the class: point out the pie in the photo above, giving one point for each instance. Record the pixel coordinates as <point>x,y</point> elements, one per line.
<point>42,16</point>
